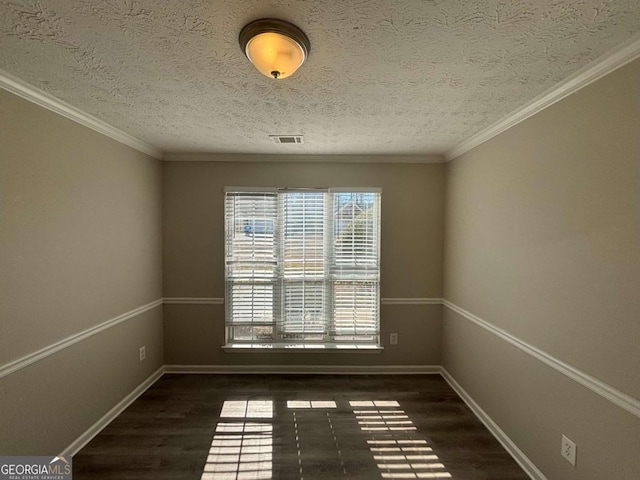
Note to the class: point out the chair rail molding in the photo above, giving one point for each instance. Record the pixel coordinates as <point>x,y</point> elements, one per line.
<point>220,301</point>
<point>621,399</point>
<point>38,355</point>
<point>193,301</point>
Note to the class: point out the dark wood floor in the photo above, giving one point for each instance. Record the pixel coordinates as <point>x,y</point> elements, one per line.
<point>302,427</point>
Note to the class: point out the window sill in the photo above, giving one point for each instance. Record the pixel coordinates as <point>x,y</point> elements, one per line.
<point>298,348</point>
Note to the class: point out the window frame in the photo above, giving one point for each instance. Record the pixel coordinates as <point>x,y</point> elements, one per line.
<point>330,339</point>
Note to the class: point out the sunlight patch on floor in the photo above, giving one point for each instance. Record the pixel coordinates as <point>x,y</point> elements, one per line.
<point>394,442</point>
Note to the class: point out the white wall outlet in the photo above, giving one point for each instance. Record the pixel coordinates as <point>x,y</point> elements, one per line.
<point>143,352</point>
<point>393,339</point>
<point>568,450</point>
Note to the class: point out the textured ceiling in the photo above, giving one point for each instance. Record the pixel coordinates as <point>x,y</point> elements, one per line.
<point>401,77</point>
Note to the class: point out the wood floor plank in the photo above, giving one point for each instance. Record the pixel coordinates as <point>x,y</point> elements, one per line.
<point>236,427</point>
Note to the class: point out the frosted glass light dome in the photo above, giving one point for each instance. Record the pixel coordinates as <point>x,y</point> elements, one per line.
<point>275,47</point>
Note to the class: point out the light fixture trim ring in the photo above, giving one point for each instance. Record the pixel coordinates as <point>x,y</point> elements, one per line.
<point>274,25</point>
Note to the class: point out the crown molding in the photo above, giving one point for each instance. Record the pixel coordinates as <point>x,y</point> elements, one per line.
<point>39,97</point>
<point>614,59</point>
<point>304,158</point>
<point>597,69</point>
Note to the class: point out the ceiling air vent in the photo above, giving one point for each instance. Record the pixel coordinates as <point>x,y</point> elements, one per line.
<point>292,139</point>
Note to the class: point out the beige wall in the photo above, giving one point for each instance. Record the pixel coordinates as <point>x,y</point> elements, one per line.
<point>543,240</point>
<point>80,243</point>
<point>193,245</point>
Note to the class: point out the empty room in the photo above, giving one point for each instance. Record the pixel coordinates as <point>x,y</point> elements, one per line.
<point>311,240</point>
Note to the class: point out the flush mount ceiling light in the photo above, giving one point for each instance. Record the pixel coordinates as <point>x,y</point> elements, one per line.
<point>275,47</point>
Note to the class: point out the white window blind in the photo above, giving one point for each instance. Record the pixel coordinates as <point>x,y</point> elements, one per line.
<point>355,266</point>
<point>251,264</point>
<point>302,266</point>
<point>303,259</point>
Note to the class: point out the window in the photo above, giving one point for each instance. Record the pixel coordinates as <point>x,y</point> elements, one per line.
<point>302,267</point>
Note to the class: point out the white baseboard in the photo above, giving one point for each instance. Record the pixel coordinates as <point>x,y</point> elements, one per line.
<point>306,369</point>
<point>518,455</point>
<point>108,417</point>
